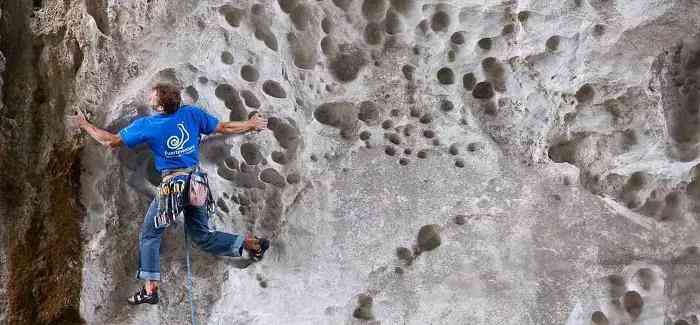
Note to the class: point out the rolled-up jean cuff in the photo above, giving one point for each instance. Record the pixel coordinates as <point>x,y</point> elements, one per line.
<point>155,276</point>
<point>237,246</point>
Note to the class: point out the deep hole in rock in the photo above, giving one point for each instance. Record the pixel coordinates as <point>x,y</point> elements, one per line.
<point>447,105</point>
<point>445,76</point>
<point>374,10</point>
<point>249,73</point>
<point>409,130</point>
<point>364,309</point>
<point>287,135</point>
<point>564,151</point>
<point>457,38</point>
<point>393,24</point>
<point>328,46</point>
<point>585,93</point>
<point>404,254</point>
<point>394,138</point>
<point>523,16</point>
<point>341,115</point>
<point>271,176</point>
<point>440,21</point>
<point>192,93</point>
<point>552,43</point>
<point>250,99</point>
<point>264,34</point>
<point>408,71</point>
<point>293,178</point>
<point>468,81</point>
<point>483,90</point>
<point>274,89</point>
<point>374,34</point>
<point>348,63</point>
<point>598,318</point>
<point>251,153</point>
<point>616,286</point>
<point>342,4</point>
<point>429,238</point>
<point>226,57</point>
<point>288,5</point>
<point>365,135</point>
<point>278,157</point>
<point>369,113</point>
<point>303,51</point>
<point>454,149</point>
<point>485,43</point>
<point>403,6</point>
<point>598,30</point>
<point>508,29</point>
<point>387,124</point>
<point>301,17</point>
<point>645,278</point>
<point>326,25</point>
<point>633,304</point>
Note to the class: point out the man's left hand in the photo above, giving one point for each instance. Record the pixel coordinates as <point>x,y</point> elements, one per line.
<point>257,122</point>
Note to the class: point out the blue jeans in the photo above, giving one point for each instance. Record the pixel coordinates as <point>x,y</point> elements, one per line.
<point>197,227</point>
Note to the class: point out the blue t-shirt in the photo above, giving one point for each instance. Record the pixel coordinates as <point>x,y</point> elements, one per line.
<point>173,138</point>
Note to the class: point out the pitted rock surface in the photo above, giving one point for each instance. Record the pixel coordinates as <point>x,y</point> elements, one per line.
<point>427,162</point>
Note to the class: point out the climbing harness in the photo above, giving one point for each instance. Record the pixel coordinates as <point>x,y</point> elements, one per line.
<point>172,190</point>
<point>170,196</point>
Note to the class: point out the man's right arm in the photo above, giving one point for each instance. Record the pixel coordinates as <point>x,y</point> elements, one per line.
<point>103,137</point>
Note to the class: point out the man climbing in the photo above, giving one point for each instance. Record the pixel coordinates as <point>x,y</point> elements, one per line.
<point>173,135</point>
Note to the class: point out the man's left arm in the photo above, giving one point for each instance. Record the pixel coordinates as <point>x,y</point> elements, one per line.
<point>255,123</point>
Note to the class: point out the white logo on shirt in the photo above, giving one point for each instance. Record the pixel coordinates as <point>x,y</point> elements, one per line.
<point>175,142</point>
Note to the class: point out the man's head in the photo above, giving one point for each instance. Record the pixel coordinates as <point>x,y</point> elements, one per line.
<point>165,97</point>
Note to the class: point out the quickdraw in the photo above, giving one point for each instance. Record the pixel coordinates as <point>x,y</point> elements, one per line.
<point>180,188</point>
<point>199,191</point>
<point>171,199</point>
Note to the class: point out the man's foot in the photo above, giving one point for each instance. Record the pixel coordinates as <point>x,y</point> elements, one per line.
<point>142,296</point>
<point>255,247</point>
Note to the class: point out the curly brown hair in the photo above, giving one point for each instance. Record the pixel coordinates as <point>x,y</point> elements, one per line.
<point>168,96</point>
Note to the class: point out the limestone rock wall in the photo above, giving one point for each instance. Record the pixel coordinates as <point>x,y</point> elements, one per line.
<point>39,166</point>
<point>428,162</point>
<point>3,254</point>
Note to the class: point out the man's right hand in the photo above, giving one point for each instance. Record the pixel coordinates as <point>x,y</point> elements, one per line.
<point>78,120</point>
<point>105,138</point>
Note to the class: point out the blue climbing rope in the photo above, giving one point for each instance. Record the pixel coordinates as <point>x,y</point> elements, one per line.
<point>189,276</point>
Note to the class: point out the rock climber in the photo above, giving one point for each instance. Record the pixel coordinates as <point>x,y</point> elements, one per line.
<point>173,134</point>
